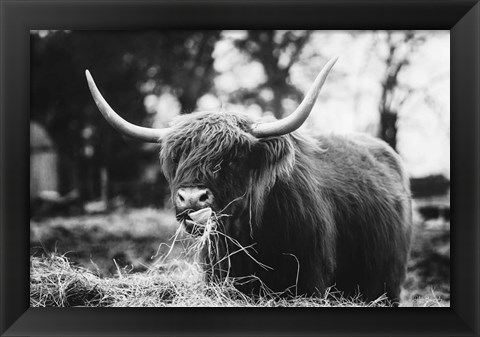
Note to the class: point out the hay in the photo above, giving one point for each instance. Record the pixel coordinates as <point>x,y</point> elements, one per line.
<point>208,244</point>
<point>55,282</point>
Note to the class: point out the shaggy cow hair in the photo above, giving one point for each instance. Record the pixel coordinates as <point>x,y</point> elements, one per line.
<point>319,212</point>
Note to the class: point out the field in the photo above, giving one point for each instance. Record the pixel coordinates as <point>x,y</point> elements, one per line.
<point>125,258</point>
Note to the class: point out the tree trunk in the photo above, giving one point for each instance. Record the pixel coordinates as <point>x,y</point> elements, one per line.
<point>388,128</point>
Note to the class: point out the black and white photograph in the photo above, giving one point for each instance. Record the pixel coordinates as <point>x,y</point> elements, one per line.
<point>240,168</point>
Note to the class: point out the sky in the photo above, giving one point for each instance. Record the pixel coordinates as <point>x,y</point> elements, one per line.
<point>349,100</point>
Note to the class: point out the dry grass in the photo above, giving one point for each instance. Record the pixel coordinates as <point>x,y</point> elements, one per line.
<point>208,243</point>
<point>55,282</point>
<point>172,280</point>
<point>130,236</point>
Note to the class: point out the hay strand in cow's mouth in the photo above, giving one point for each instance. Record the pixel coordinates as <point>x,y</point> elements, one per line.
<point>213,248</point>
<point>207,243</point>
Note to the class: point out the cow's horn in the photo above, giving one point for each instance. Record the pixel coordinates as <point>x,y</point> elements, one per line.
<point>146,134</point>
<point>295,119</point>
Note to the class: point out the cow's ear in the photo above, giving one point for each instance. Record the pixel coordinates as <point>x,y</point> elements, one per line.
<point>274,156</point>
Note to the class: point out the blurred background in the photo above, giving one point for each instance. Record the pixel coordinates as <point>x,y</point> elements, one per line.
<point>102,199</point>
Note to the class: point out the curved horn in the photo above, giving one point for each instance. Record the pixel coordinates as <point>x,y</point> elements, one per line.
<point>296,118</point>
<point>146,134</point>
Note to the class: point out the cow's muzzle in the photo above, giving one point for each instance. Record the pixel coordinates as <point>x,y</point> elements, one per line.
<point>193,198</point>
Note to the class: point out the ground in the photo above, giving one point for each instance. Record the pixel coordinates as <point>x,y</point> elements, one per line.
<point>124,258</point>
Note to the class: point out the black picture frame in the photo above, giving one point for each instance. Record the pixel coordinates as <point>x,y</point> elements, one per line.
<point>461,17</point>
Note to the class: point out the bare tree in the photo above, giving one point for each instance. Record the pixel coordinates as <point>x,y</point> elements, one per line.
<point>400,48</point>
<point>277,52</point>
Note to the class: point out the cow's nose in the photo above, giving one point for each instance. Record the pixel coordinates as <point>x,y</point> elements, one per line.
<point>193,198</point>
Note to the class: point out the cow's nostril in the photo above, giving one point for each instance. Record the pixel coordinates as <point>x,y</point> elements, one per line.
<point>203,197</point>
<point>193,198</point>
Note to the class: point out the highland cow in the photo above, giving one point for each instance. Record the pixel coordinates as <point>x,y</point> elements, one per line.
<point>295,213</point>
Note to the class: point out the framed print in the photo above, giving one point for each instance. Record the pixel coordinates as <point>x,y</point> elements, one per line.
<point>240,169</point>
